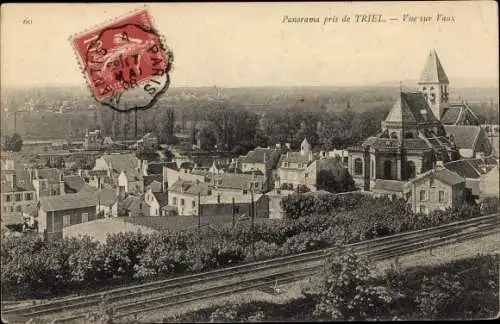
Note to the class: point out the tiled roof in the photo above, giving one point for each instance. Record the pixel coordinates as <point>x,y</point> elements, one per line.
<point>450,115</point>
<point>69,201</point>
<point>443,174</point>
<point>155,186</point>
<point>154,177</point>
<point>190,187</point>
<point>463,168</point>
<point>257,156</point>
<point>465,137</point>
<point>433,70</point>
<point>295,157</point>
<point>408,109</point>
<point>448,176</point>
<point>134,205</point>
<point>51,174</point>
<point>107,197</point>
<point>388,185</point>
<point>123,162</point>
<point>74,182</point>
<point>236,181</point>
<point>23,181</point>
<point>161,198</point>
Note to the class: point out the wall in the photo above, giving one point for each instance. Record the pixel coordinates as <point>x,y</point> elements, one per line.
<point>224,209</point>
<point>358,178</point>
<point>253,166</point>
<point>173,176</point>
<point>23,203</point>
<point>53,221</point>
<point>150,199</point>
<point>453,195</point>
<point>188,209</point>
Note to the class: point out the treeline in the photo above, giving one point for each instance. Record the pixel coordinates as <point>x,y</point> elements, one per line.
<point>31,267</point>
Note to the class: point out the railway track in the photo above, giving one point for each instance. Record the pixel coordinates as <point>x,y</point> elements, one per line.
<point>131,301</point>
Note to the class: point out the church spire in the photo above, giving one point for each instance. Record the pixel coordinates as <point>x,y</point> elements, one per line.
<point>433,71</point>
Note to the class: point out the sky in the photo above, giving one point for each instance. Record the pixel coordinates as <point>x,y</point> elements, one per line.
<point>247,44</point>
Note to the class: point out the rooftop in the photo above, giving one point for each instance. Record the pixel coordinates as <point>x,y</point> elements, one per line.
<point>190,187</point>
<point>68,201</point>
<point>433,70</point>
<point>465,137</point>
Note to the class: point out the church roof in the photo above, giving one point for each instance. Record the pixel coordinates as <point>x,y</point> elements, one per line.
<point>465,137</point>
<point>410,107</point>
<point>457,114</point>
<point>433,70</point>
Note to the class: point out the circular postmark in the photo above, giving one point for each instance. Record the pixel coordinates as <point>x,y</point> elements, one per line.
<point>126,64</point>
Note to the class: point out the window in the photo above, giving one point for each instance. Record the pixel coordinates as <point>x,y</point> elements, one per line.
<point>307,175</point>
<point>256,185</point>
<point>182,202</point>
<point>285,164</point>
<point>28,196</point>
<point>174,201</point>
<point>358,166</point>
<point>193,204</point>
<point>423,209</point>
<point>85,217</point>
<point>423,195</point>
<point>442,196</point>
<point>245,191</point>
<point>18,208</point>
<point>11,208</point>
<point>19,197</point>
<point>66,220</point>
<point>7,197</point>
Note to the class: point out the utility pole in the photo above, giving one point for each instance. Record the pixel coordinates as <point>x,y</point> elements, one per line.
<point>253,228</point>
<point>199,210</point>
<point>234,212</point>
<point>135,125</point>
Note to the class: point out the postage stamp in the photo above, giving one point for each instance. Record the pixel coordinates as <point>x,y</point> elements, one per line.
<point>126,62</point>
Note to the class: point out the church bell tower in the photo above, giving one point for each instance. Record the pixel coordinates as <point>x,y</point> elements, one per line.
<point>434,84</point>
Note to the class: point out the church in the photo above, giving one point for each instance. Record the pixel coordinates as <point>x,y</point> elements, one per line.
<point>421,130</point>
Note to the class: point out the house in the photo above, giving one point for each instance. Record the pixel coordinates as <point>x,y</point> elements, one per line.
<point>130,206</point>
<point>184,196</point>
<point>106,199</point>
<point>472,170</point>
<point>436,189</point>
<point>471,141</point>
<point>58,212</point>
<point>158,203</point>
<point>234,183</point>
<point>297,168</point>
<point>47,182</point>
<point>124,170</point>
<point>18,193</point>
<point>174,175</point>
<point>260,159</point>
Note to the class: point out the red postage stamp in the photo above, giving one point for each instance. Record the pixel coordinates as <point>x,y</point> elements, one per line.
<point>125,62</point>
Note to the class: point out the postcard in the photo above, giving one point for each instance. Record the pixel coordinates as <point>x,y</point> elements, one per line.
<point>249,162</point>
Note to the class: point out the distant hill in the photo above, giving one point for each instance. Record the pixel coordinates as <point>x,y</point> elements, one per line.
<point>454,83</point>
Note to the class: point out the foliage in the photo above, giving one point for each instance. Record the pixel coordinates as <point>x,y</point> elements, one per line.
<point>327,180</point>
<point>225,314</point>
<point>438,295</point>
<point>302,189</point>
<point>348,292</point>
<point>13,143</point>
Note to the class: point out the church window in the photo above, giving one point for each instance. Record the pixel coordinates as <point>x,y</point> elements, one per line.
<point>394,135</point>
<point>358,166</point>
<point>387,169</point>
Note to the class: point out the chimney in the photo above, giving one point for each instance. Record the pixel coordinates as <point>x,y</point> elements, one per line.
<point>265,158</point>
<point>287,155</point>
<point>310,156</point>
<point>287,145</point>
<point>164,179</point>
<point>61,184</point>
<point>423,112</point>
<point>30,171</point>
<point>13,181</point>
<point>145,167</point>
<point>36,174</point>
<point>139,165</point>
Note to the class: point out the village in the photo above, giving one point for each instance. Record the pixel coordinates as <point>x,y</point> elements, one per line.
<point>429,151</point>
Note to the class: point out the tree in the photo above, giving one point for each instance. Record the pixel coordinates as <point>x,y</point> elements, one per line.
<point>302,189</point>
<point>348,292</point>
<point>439,295</point>
<point>13,143</point>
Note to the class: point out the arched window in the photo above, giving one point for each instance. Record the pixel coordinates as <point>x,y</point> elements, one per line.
<point>358,166</point>
<point>410,170</point>
<point>409,135</point>
<point>387,169</point>
<point>394,135</point>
